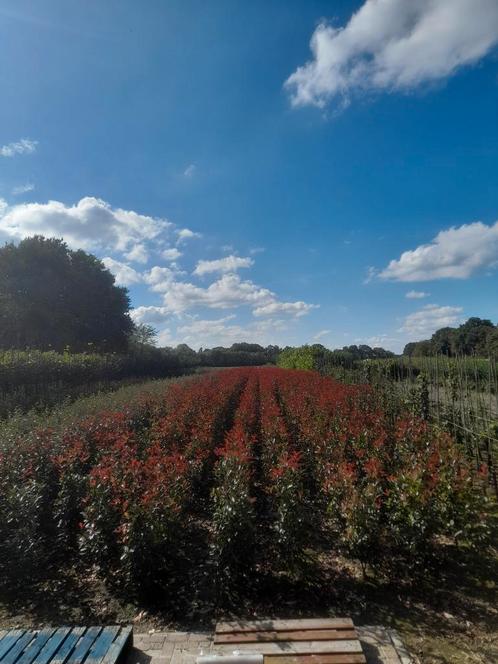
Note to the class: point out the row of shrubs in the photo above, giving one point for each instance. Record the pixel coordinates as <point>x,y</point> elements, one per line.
<point>257,470</point>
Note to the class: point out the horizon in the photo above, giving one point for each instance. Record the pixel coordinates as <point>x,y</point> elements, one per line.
<point>276,173</point>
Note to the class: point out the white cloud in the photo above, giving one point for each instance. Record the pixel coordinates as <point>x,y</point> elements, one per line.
<point>90,224</point>
<point>171,254</point>
<point>432,317</point>
<point>227,264</point>
<point>416,295</point>
<point>138,254</point>
<point>189,172</point>
<point>124,274</point>
<point>23,146</point>
<point>150,315</point>
<point>296,309</point>
<point>22,189</point>
<point>225,293</point>
<point>394,45</point>
<point>160,279</point>
<point>256,250</point>
<point>453,254</point>
<point>186,234</point>
<point>321,334</point>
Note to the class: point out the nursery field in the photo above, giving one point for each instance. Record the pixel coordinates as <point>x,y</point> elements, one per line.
<point>231,488</point>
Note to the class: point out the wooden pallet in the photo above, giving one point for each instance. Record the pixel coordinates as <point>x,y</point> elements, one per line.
<point>66,645</point>
<point>327,641</point>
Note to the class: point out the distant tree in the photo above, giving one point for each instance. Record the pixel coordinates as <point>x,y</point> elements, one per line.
<point>53,297</point>
<point>471,338</point>
<point>143,335</point>
<point>248,348</point>
<point>443,342</point>
<point>477,336</point>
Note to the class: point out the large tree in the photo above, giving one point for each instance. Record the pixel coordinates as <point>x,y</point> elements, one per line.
<point>53,297</point>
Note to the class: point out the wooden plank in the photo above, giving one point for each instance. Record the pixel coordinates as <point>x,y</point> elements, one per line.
<point>120,647</point>
<point>303,635</point>
<point>9,641</point>
<point>101,645</point>
<point>316,659</point>
<point>35,646</point>
<point>84,645</point>
<point>283,625</point>
<point>68,645</point>
<point>18,648</point>
<point>51,646</point>
<point>294,647</point>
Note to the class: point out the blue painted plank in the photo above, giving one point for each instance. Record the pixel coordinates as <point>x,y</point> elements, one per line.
<point>101,645</point>
<point>81,650</point>
<point>52,645</point>
<point>119,646</point>
<point>18,648</point>
<point>9,640</point>
<point>35,646</point>
<point>69,644</point>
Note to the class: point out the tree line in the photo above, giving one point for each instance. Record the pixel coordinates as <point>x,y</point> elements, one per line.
<point>477,336</point>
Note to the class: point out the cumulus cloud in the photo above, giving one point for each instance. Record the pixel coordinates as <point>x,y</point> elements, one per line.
<point>227,292</point>
<point>227,264</point>
<point>150,315</point>
<point>159,278</point>
<point>394,45</point>
<point>171,254</point>
<point>186,234</point>
<point>296,309</point>
<point>432,317</point>
<point>138,254</point>
<point>456,253</point>
<point>416,295</point>
<point>124,274</point>
<point>22,189</point>
<point>23,146</point>
<point>89,224</point>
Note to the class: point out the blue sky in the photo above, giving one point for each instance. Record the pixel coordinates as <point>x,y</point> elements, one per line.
<point>272,171</point>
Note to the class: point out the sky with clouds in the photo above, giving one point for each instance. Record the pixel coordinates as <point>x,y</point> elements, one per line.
<point>278,172</point>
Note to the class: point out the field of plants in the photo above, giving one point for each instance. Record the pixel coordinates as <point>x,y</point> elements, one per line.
<point>241,473</point>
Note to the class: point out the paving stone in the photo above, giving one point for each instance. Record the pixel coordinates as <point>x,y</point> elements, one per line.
<point>381,646</point>
<point>176,637</point>
<point>161,660</point>
<point>198,636</point>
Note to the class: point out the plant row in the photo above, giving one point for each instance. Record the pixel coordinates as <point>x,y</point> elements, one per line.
<point>244,470</point>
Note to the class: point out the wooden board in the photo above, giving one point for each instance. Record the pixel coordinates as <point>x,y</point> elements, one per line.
<point>298,635</point>
<point>52,645</point>
<point>293,647</point>
<point>283,625</point>
<point>66,645</point>
<point>317,659</point>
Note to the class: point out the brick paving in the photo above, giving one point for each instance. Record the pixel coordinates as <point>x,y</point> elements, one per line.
<point>380,645</point>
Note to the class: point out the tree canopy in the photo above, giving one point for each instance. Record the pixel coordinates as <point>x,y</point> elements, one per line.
<point>477,336</point>
<point>52,298</point>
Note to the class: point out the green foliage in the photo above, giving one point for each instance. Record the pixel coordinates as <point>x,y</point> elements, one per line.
<point>476,336</point>
<point>29,378</point>
<point>54,298</point>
